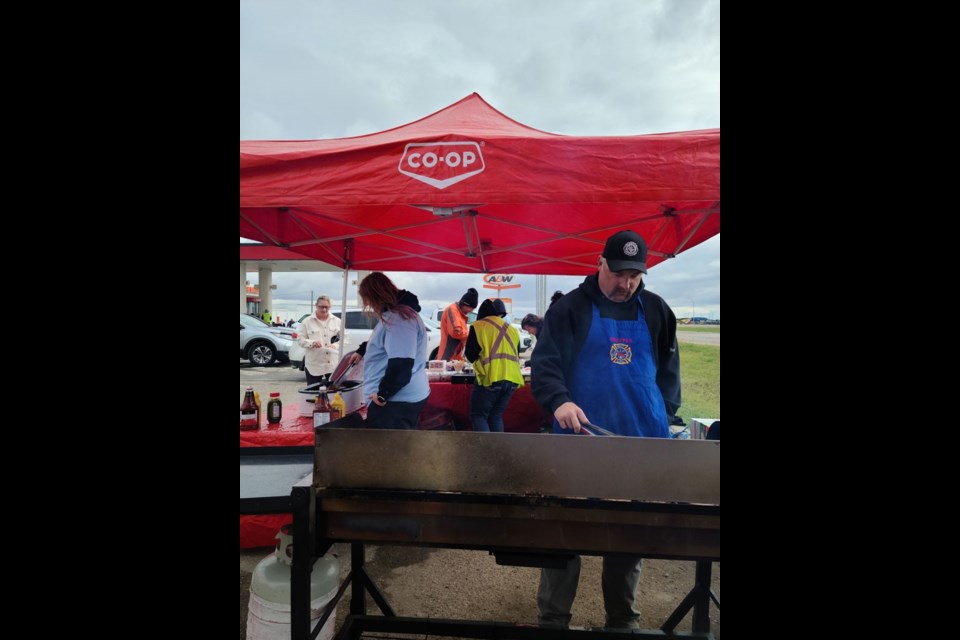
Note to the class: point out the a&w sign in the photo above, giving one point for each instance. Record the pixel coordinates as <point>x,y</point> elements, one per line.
<point>498,281</point>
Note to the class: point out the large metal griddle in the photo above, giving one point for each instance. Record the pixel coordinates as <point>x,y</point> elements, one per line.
<point>529,498</point>
<point>268,473</point>
<point>520,464</point>
<point>515,491</point>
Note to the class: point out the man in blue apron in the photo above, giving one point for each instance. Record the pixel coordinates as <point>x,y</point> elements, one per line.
<point>607,354</point>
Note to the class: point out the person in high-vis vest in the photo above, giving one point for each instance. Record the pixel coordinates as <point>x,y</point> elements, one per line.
<point>608,355</point>
<point>492,348</point>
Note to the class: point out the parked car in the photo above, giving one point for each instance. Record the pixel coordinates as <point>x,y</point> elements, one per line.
<point>357,330</point>
<point>262,344</point>
<point>296,325</point>
<point>433,337</point>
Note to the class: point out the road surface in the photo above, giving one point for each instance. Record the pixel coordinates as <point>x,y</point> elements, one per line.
<point>698,337</point>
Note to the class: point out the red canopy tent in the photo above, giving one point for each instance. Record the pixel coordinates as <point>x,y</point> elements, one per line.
<point>467,189</point>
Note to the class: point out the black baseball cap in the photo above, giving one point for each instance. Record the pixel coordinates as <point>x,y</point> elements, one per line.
<point>626,250</point>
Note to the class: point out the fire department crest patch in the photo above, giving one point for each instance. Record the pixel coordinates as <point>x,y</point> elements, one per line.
<point>620,353</point>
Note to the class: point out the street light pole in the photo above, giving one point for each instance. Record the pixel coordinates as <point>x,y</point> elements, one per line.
<point>693,314</point>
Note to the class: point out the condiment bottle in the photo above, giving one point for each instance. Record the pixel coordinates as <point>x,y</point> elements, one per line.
<point>248,411</point>
<point>338,407</point>
<point>256,397</point>
<point>274,408</point>
<point>321,410</point>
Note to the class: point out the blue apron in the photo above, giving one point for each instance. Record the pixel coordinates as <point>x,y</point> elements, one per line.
<point>615,379</point>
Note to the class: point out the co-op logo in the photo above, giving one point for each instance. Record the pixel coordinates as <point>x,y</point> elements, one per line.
<point>441,164</point>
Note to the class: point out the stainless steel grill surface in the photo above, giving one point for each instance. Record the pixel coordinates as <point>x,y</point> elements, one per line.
<point>520,464</point>
<point>513,492</point>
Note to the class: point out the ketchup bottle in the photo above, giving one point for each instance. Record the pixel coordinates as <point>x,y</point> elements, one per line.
<point>248,412</point>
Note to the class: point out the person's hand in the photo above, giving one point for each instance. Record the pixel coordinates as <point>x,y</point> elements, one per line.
<point>570,416</point>
<point>354,358</point>
<point>318,344</point>
<point>375,399</point>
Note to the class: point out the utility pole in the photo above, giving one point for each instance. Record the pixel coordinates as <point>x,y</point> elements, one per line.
<point>541,303</point>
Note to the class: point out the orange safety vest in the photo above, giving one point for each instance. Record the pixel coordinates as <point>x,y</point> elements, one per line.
<point>453,333</point>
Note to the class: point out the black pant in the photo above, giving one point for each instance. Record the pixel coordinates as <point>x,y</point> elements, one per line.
<point>312,379</point>
<point>395,415</point>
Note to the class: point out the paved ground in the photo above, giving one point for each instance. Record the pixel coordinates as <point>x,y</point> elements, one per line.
<point>698,337</point>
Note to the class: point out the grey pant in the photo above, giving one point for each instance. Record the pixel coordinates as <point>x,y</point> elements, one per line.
<point>621,575</point>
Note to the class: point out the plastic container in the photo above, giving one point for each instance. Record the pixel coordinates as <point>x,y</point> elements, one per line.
<point>269,610</point>
<point>338,407</point>
<point>679,432</point>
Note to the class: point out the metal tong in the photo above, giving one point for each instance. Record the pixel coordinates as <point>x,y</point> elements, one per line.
<point>599,430</point>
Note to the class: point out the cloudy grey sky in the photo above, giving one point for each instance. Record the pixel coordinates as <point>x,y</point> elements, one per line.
<point>324,69</point>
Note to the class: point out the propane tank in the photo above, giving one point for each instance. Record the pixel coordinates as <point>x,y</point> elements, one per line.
<point>269,610</point>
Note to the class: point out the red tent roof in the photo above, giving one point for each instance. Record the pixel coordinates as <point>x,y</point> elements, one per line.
<point>467,189</point>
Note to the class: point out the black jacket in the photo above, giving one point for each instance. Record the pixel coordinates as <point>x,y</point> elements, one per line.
<point>409,299</point>
<point>472,351</point>
<point>565,328</point>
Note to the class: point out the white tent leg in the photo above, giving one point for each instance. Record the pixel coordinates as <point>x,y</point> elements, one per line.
<point>343,312</point>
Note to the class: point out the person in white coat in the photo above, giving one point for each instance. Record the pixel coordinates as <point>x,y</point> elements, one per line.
<point>319,335</point>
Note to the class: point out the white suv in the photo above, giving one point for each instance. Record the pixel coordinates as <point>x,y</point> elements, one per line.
<point>262,344</point>
<point>358,329</point>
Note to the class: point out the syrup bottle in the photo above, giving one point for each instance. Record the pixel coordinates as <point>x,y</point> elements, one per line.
<point>274,408</point>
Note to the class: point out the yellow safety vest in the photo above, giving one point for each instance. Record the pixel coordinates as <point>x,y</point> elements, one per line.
<point>498,352</point>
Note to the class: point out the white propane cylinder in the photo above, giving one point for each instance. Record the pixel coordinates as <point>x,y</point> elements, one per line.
<point>269,610</point>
